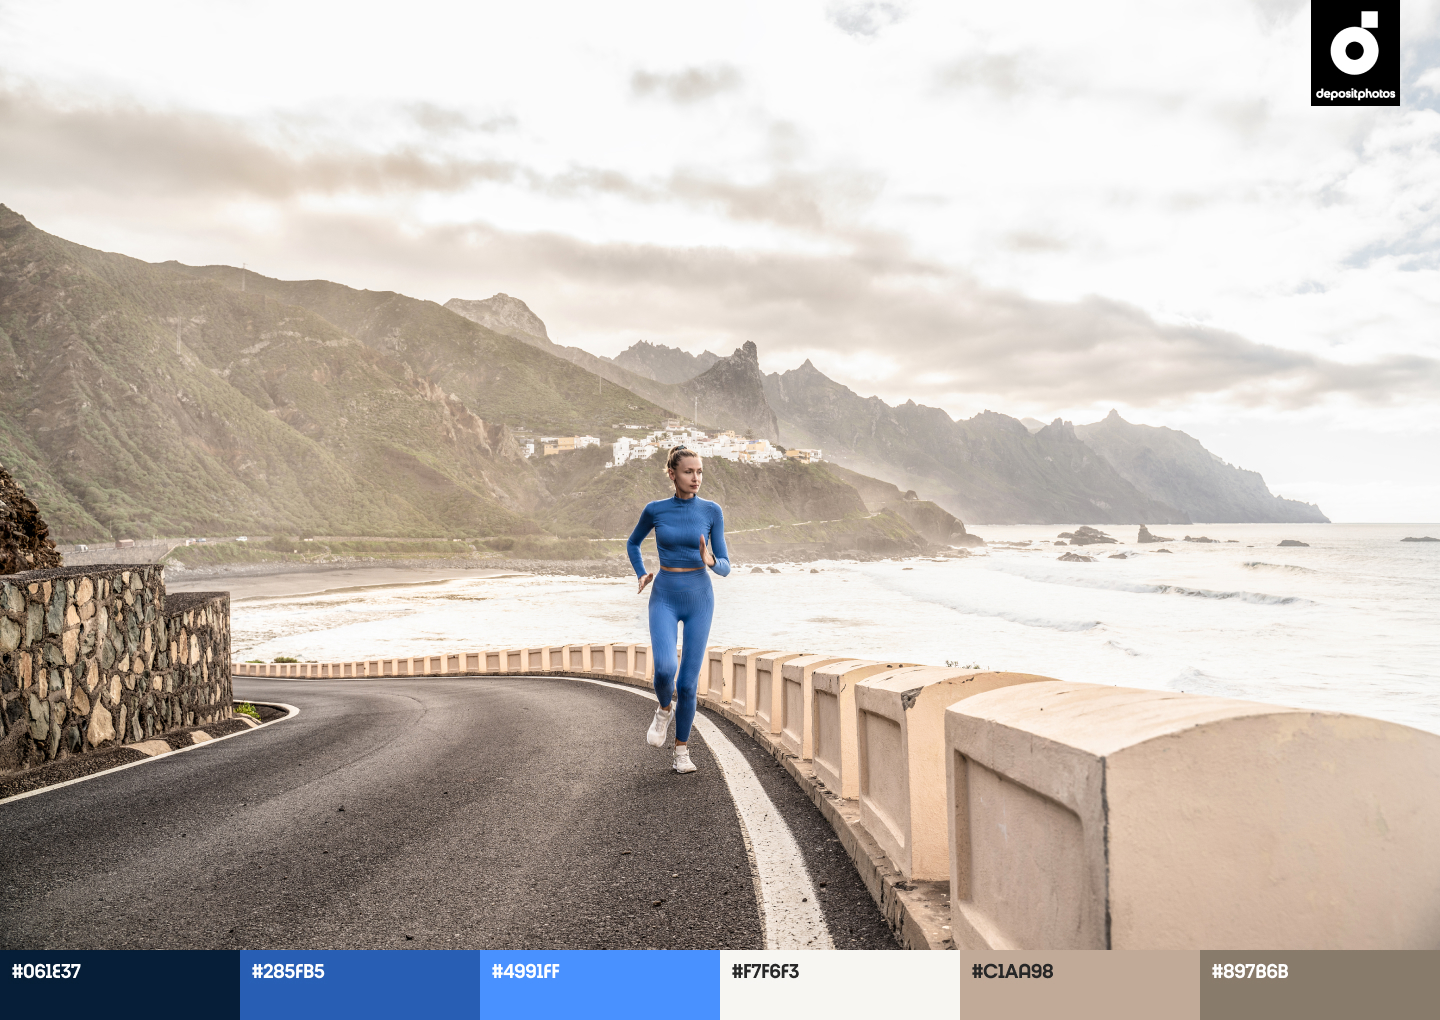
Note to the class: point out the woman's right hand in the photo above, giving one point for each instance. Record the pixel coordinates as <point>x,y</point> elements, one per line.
<point>644,581</point>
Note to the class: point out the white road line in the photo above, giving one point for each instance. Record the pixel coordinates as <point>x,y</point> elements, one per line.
<point>789,908</point>
<point>159,757</point>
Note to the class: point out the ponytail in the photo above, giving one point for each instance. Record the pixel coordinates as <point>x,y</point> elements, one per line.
<point>676,454</point>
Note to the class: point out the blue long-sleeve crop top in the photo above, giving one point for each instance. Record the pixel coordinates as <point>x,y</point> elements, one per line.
<point>679,524</point>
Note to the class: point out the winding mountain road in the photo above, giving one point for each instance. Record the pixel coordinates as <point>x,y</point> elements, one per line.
<point>454,813</point>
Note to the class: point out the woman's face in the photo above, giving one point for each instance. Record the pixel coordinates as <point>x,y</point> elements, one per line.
<point>686,475</point>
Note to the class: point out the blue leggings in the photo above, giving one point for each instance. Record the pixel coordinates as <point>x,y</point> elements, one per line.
<point>674,599</point>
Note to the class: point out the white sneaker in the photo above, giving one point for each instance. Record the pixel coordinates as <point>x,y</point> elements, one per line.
<point>682,759</point>
<point>659,726</point>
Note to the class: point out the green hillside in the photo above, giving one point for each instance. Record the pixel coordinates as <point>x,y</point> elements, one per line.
<point>804,506</point>
<point>140,399</point>
<point>512,381</point>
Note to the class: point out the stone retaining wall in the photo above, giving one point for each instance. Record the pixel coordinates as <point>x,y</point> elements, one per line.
<point>98,656</point>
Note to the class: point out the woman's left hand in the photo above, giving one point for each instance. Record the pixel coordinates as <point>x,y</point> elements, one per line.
<point>706,557</point>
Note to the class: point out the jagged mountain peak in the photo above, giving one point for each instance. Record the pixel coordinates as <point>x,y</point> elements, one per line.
<point>663,364</point>
<point>732,392</point>
<point>501,313</point>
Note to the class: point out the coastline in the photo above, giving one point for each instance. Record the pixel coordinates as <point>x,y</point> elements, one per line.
<point>383,572</point>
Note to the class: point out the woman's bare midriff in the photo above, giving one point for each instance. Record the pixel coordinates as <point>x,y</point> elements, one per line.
<point>681,570</point>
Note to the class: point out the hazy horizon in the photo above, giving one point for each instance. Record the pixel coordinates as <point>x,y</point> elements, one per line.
<point>1115,206</point>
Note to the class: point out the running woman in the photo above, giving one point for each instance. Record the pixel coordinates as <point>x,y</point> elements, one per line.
<point>682,593</point>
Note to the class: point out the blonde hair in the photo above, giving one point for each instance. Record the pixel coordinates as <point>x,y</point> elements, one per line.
<point>675,455</point>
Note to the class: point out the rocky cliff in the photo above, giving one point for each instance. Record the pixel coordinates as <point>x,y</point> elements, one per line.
<point>731,393</point>
<point>24,536</point>
<point>1173,467</point>
<point>930,519</point>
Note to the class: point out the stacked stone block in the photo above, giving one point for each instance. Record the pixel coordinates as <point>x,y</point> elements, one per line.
<point>96,656</point>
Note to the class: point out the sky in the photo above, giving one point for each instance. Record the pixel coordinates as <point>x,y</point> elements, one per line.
<point>1047,209</point>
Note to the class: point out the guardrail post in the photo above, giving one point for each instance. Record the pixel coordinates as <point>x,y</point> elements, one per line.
<point>770,690</point>
<point>832,707</point>
<point>1161,820</point>
<point>900,751</point>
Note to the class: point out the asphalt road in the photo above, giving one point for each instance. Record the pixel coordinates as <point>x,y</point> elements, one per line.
<point>478,813</point>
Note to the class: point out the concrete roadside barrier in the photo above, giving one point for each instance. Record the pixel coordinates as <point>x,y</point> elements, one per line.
<point>740,680</point>
<point>714,684</point>
<point>643,667</point>
<point>832,713</point>
<point>900,754</point>
<point>1158,820</point>
<point>597,658</point>
<point>711,685</point>
<point>770,690</point>
<point>795,720</point>
<point>620,658</point>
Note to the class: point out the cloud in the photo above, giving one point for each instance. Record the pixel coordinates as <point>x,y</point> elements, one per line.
<point>864,18</point>
<point>1000,73</point>
<point>937,332</point>
<point>124,148</point>
<point>130,149</point>
<point>692,85</point>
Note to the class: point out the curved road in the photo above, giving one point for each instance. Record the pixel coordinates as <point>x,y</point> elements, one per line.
<point>478,813</point>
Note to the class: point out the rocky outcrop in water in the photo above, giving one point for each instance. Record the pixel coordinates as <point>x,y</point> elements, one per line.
<point>1291,543</point>
<point>24,536</point>
<point>1086,535</point>
<point>1426,538</point>
<point>1147,538</point>
<point>1075,558</point>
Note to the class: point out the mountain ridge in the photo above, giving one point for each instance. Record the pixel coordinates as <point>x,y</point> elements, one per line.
<point>139,399</point>
<point>1172,466</point>
<point>664,364</point>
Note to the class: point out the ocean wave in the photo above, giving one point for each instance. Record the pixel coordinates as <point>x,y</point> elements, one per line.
<point>1193,681</point>
<point>926,593</point>
<point>1024,619</point>
<point>1072,580</point>
<point>1289,568</point>
<point>1253,597</point>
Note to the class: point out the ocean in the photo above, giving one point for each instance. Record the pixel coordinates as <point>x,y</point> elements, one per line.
<point>1350,623</point>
